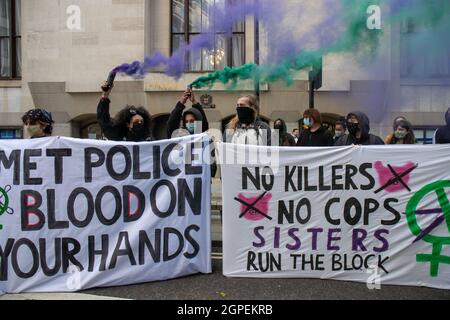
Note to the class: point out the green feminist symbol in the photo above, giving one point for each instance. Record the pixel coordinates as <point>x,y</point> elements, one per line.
<point>435,258</point>
<point>4,203</point>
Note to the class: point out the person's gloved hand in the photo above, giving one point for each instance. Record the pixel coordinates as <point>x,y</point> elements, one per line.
<point>106,89</point>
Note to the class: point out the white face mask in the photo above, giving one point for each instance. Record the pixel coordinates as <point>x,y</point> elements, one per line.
<point>339,134</point>
<point>35,131</point>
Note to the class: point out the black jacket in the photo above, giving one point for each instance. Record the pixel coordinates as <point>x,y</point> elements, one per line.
<point>176,120</point>
<point>320,138</point>
<point>443,134</point>
<point>111,129</point>
<point>366,138</point>
<point>286,139</point>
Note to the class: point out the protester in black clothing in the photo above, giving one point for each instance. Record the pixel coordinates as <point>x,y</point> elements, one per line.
<point>314,135</point>
<point>285,139</point>
<point>38,123</point>
<point>191,121</point>
<point>130,124</point>
<point>358,126</point>
<point>340,129</point>
<point>443,134</point>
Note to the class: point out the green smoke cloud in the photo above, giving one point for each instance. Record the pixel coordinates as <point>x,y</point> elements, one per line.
<point>354,37</point>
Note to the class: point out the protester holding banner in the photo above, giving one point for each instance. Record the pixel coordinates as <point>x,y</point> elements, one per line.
<point>285,139</point>
<point>443,134</point>
<point>403,134</point>
<point>315,134</point>
<point>358,125</point>
<point>187,119</point>
<point>131,123</point>
<point>38,123</point>
<point>246,127</point>
<point>78,214</point>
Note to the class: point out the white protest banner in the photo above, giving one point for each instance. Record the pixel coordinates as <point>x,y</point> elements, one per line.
<point>78,214</point>
<point>379,215</point>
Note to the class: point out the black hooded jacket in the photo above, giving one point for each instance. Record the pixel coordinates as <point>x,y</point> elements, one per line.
<point>319,138</point>
<point>366,138</point>
<point>286,139</point>
<point>443,134</point>
<point>111,129</point>
<point>178,115</point>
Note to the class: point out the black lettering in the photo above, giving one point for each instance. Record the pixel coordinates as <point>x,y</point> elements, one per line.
<point>123,238</point>
<point>194,199</point>
<point>71,208</point>
<point>29,166</point>
<point>155,250</point>
<point>34,259</point>
<point>53,224</point>
<point>363,170</point>
<point>137,174</point>
<point>168,243</point>
<point>118,204</point>
<point>350,172</point>
<point>59,155</point>
<point>395,213</point>
<point>14,159</point>
<point>103,252</point>
<point>334,222</point>
<point>50,272</point>
<point>89,164</point>
<point>192,242</point>
<point>119,150</point>
<point>154,197</point>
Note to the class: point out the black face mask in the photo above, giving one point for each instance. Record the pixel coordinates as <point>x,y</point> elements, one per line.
<point>137,133</point>
<point>353,128</point>
<point>246,115</point>
<point>278,127</point>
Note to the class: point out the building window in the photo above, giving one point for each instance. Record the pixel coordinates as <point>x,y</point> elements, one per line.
<point>425,135</point>
<point>8,134</point>
<point>420,59</point>
<point>192,17</point>
<point>10,39</point>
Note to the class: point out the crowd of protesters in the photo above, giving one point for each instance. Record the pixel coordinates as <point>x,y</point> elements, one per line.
<point>246,127</point>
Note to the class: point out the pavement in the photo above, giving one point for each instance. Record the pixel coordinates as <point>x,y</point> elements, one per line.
<point>218,287</point>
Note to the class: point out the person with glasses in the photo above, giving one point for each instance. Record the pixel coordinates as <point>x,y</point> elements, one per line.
<point>130,124</point>
<point>38,123</point>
